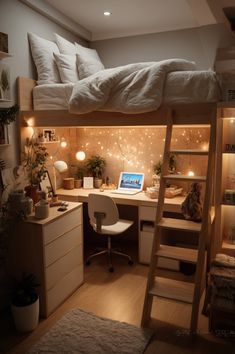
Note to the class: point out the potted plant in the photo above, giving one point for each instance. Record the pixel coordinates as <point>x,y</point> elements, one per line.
<point>36,156</point>
<point>25,304</point>
<point>95,166</point>
<point>80,172</point>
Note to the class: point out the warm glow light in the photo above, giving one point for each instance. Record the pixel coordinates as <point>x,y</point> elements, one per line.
<point>232,120</point>
<point>107,13</point>
<point>63,143</point>
<point>191,173</point>
<point>205,147</point>
<point>30,122</point>
<point>80,155</point>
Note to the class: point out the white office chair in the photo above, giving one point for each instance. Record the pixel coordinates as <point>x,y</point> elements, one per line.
<point>104,218</point>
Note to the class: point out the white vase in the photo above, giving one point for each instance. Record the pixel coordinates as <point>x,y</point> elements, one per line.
<point>26,317</point>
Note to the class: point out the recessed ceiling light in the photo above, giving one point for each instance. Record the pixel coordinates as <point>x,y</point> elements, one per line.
<point>107,13</point>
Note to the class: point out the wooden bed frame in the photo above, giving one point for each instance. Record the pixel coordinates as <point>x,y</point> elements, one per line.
<point>194,113</point>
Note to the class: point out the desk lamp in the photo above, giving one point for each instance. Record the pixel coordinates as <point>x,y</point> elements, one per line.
<point>59,166</point>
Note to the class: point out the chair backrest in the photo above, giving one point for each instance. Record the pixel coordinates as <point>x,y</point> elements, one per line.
<point>103,204</point>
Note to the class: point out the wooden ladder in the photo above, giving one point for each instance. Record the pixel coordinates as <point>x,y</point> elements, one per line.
<point>170,288</point>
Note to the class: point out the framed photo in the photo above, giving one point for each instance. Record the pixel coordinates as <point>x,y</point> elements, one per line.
<point>88,182</point>
<point>46,185</point>
<point>49,134</point>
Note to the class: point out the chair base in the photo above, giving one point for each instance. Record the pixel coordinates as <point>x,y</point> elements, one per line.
<point>109,251</point>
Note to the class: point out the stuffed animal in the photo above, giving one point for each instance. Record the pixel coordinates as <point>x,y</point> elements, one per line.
<point>192,206</point>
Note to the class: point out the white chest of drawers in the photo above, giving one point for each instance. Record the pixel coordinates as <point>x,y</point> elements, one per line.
<point>52,249</point>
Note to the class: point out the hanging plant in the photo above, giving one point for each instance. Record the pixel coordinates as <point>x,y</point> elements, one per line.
<point>8,115</point>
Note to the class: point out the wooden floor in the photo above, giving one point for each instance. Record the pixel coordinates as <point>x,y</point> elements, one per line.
<point>120,296</point>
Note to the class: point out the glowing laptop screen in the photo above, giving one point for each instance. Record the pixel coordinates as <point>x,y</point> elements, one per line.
<point>131,180</point>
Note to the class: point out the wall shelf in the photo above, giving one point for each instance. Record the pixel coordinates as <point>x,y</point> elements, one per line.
<point>4,55</point>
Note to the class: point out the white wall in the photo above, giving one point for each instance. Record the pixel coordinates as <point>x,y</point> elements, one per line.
<point>17,19</point>
<point>199,45</point>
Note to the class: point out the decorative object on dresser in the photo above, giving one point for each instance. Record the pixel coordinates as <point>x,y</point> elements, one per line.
<point>95,166</point>
<point>25,304</point>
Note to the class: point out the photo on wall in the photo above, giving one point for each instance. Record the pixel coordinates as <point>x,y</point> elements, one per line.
<point>4,82</point>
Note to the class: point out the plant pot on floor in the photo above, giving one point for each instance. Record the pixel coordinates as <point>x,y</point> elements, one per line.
<point>26,317</point>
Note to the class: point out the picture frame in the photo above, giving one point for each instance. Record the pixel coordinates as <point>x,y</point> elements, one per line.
<point>49,135</point>
<point>46,184</point>
<point>88,182</point>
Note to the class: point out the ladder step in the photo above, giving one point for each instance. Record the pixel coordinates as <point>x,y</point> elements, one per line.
<point>185,178</point>
<point>178,253</point>
<point>173,289</point>
<point>189,152</point>
<point>178,224</point>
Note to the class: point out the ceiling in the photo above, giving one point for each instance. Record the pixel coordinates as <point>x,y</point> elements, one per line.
<point>134,17</point>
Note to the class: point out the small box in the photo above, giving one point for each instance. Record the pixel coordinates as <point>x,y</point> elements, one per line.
<point>3,42</point>
<point>68,183</point>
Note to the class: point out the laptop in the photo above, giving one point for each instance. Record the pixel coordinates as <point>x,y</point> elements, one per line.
<point>130,183</point>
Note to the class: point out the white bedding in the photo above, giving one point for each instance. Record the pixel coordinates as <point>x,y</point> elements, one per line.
<point>180,86</point>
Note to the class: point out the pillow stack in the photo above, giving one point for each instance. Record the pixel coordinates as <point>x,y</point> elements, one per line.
<point>62,61</point>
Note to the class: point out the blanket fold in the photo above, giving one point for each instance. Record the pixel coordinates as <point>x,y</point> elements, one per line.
<point>133,88</point>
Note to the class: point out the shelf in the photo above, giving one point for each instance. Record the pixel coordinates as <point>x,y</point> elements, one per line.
<point>4,55</point>
<point>186,178</point>
<point>4,145</point>
<point>49,142</point>
<point>189,152</point>
<point>226,203</point>
<point>228,152</point>
<point>178,224</point>
<point>173,289</point>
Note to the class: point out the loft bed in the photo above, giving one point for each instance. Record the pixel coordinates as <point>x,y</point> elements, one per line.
<point>74,89</point>
<point>184,112</point>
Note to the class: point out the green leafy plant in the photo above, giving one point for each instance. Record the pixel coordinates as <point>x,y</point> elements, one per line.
<point>24,292</point>
<point>8,115</point>
<point>157,168</point>
<point>4,80</point>
<point>81,171</point>
<point>96,166</point>
<point>36,156</point>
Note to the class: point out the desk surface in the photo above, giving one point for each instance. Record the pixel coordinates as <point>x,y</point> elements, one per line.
<point>139,199</point>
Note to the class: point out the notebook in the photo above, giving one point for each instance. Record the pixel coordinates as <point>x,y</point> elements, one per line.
<point>130,183</point>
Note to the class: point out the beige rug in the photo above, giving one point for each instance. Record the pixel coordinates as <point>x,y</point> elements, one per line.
<point>82,332</point>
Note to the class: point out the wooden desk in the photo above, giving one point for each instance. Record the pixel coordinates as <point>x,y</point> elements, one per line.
<point>146,212</point>
<point>139,199</point>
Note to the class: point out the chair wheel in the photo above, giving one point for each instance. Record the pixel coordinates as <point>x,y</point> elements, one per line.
<point>88,263</point>
<point>130,262</point>
<point>111,269</point>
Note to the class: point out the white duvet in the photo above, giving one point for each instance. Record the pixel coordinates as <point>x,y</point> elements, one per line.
<point>134,88</point>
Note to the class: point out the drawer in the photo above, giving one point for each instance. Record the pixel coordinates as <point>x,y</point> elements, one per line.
<point>65,287</point>
<point>62,245</point>
<point>63,266</point>
<point>62,225</point>
<point>147,213</point>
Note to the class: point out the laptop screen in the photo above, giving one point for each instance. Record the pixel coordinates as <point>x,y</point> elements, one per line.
<point>131,180</point>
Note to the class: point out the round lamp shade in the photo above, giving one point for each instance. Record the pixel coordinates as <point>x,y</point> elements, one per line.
<point>60,166</point>
<point>80,155</point>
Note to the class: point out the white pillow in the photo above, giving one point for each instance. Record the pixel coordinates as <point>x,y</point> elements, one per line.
<point>67,67</point>
<point>42,52</point>
<point>64,46</point>
<point>88,61</point>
